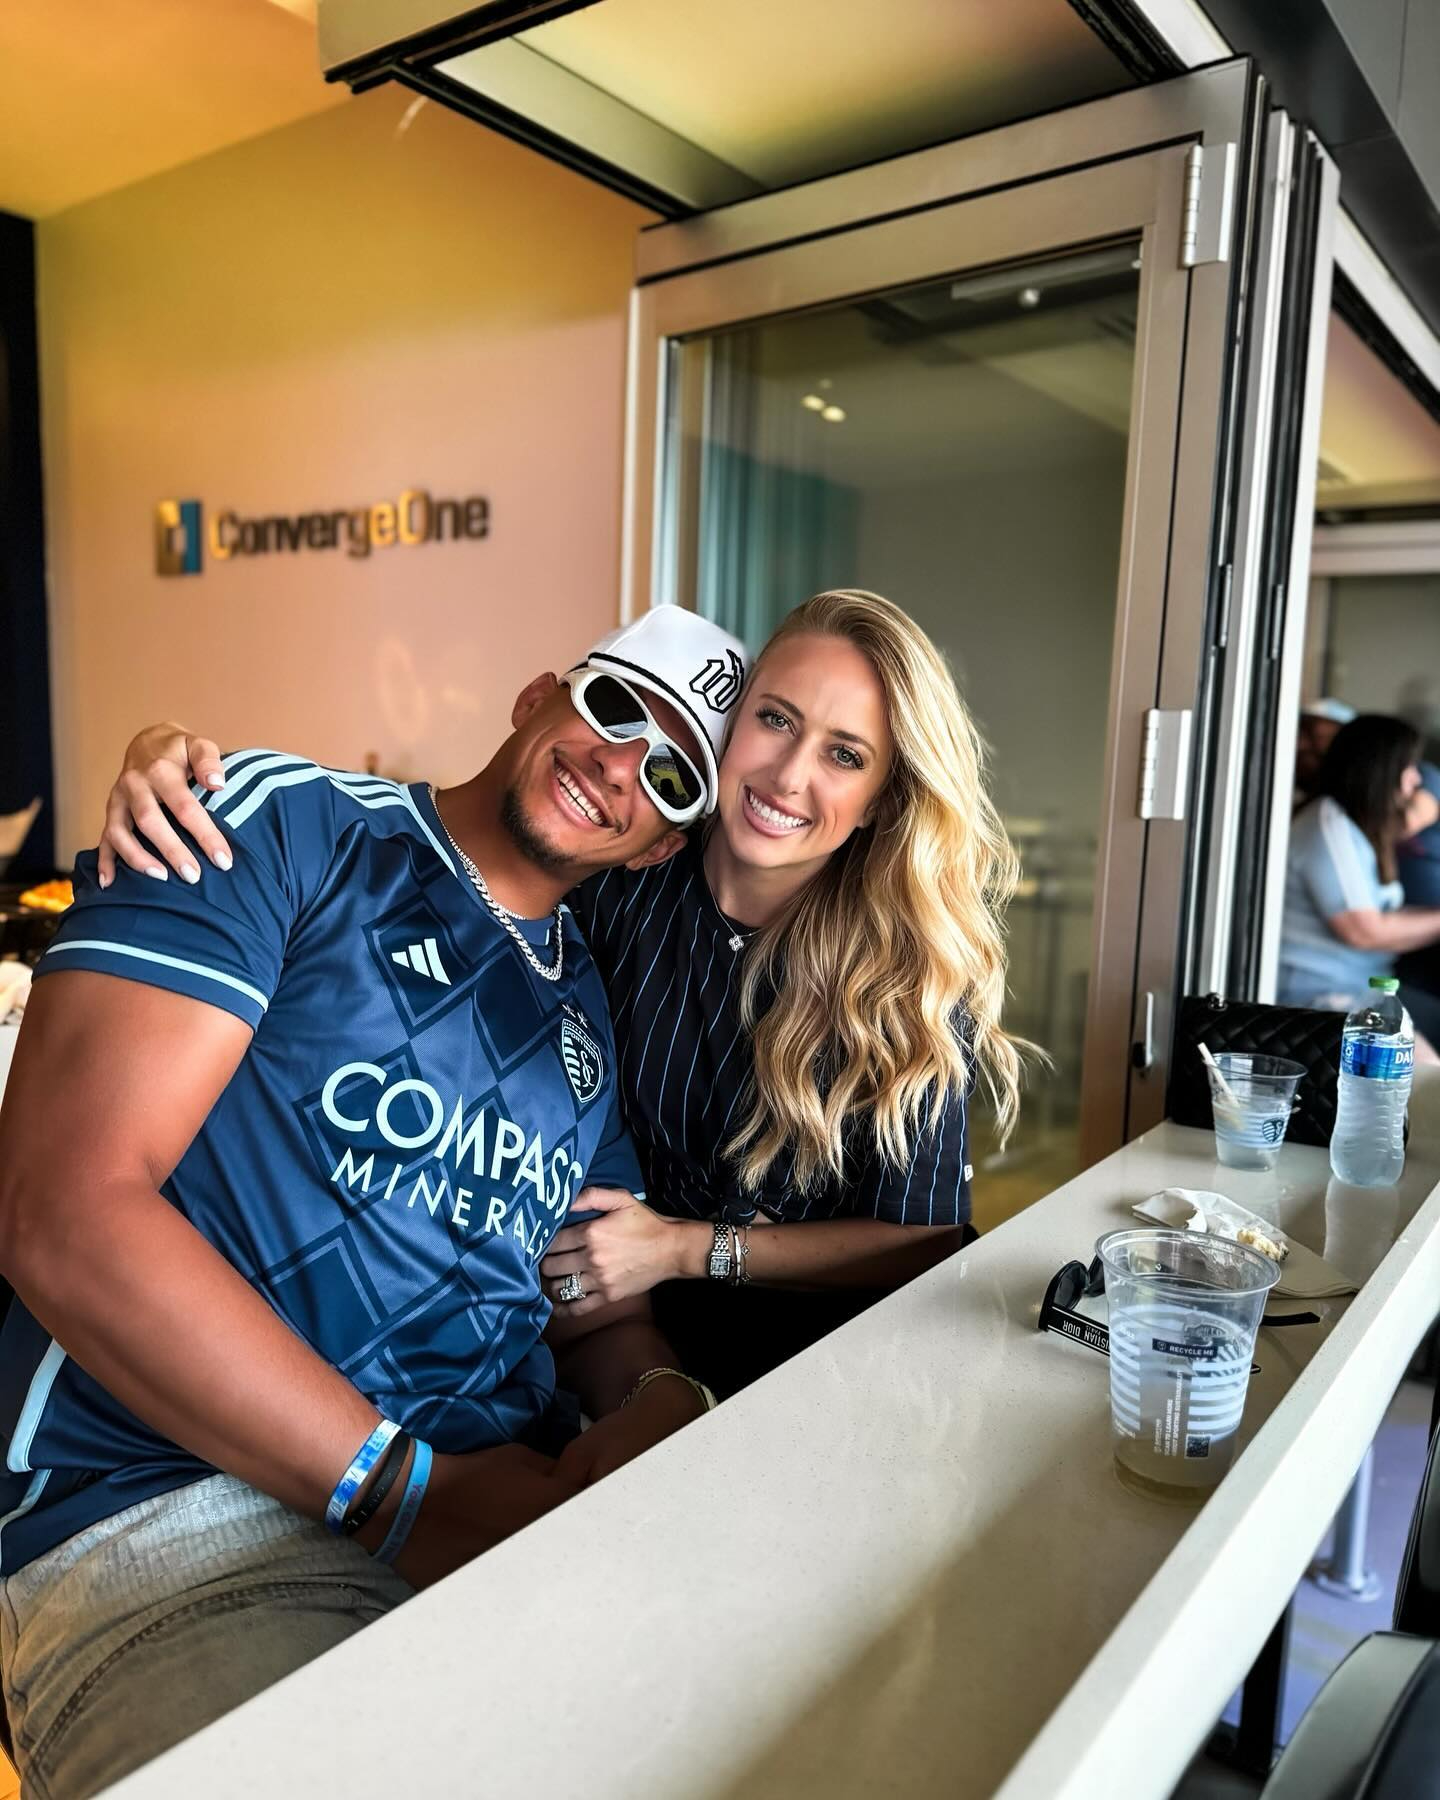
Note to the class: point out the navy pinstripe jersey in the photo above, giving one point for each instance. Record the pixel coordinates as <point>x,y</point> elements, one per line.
<point>665,951</point>
<point>411,1119</point>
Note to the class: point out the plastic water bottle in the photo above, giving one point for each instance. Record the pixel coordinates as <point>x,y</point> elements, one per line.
<point>1377,1063</point>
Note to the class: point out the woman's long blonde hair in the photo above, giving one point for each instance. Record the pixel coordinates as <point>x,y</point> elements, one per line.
<point>894,942</point>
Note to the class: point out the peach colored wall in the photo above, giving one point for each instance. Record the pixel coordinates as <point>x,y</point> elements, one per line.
<point>376,298</point>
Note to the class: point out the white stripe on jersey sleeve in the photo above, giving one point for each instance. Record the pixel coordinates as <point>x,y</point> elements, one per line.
<point>169,962</point>
<point>241,768</point>
<point>359,785</point>
<point>373,792</point>
<point>301,769</point>
<point>229,763</point>
<point>17,1459</point>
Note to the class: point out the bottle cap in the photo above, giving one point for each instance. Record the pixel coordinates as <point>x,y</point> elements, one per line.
<point>1387,984</point>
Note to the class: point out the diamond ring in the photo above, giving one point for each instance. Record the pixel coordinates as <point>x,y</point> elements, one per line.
<point>570,1289</point>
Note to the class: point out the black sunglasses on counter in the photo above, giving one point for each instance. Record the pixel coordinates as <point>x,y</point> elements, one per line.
<point>1077,1281</point>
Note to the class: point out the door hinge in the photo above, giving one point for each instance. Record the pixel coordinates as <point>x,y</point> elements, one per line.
<point>1208,217</point>
<point>1165,764</point>
<point>1227,585</point>
<point>1277,622</point>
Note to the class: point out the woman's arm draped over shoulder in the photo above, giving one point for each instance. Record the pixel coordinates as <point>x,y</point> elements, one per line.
<point>160,763</point>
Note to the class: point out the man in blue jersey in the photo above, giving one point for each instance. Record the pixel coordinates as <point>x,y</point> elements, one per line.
<point>279,1157</point>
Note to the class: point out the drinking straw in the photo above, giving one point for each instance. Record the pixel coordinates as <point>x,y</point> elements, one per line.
<point>1214,1068</point>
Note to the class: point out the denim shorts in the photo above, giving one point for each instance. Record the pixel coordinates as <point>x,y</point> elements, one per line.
<point>137,1631</point>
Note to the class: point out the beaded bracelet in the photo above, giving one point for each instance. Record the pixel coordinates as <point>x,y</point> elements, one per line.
<point>349,1483</point>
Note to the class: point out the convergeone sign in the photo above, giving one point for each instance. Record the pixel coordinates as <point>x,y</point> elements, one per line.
<point>182,540</point>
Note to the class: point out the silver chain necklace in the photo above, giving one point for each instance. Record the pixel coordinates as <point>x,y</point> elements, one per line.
<point>504,914</point>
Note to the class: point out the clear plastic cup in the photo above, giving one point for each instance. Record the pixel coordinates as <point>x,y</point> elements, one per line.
<point>1252,1107</point>
<point>1184,1310</point>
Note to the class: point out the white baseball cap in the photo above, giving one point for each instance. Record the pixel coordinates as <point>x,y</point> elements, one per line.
<point>689,661</point>
<point>1336,711</point>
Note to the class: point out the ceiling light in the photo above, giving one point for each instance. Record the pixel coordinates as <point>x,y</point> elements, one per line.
<point>835,414</point>
<point>813,402</point>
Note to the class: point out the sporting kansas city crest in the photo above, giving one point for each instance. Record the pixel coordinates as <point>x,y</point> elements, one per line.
<point>718,684</point>
<point>581,1054</point>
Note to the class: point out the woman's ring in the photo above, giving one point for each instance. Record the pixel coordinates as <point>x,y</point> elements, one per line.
<point>570,1289</point>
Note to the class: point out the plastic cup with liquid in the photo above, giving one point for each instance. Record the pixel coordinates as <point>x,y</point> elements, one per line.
<point>1252,1098</point>
<point>1184,1310</point>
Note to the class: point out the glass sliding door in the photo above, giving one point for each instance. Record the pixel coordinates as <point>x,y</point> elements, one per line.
<point>961,446</point>
<point>1004,413</point>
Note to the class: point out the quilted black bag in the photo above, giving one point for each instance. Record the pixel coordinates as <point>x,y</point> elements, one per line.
<point>1301,1033</point>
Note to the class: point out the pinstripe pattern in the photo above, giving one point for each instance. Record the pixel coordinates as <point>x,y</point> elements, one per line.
<point>663,948</point>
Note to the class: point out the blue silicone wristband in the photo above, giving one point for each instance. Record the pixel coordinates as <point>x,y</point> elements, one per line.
<point>348,1485</point>
<point>409,1504</point>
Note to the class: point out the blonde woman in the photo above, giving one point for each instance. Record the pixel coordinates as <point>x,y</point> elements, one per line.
<point>804,997</point>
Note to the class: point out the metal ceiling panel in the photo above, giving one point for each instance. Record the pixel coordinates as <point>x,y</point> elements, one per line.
<point>686,105</point>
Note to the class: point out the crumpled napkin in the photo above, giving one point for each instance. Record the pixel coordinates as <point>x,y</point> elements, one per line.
<point>1303,1274</point>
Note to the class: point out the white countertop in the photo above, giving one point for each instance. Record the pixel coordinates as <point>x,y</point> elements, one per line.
<point>900,1564</point>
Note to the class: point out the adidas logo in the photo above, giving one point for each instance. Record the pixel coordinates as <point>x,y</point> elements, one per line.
<point>424,959</point>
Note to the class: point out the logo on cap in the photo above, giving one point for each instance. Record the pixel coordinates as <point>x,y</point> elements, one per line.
<point>718,684</point>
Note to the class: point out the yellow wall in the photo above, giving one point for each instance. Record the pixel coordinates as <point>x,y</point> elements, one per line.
<point>380,297</point>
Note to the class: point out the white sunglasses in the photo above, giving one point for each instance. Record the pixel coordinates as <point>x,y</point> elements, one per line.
<point>615,709</point>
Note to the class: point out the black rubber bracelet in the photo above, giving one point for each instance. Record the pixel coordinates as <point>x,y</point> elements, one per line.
<point>385,1479</point>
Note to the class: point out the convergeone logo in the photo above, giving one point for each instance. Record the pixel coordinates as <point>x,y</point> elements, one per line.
<point>182,537</point>
<point>178,537</point>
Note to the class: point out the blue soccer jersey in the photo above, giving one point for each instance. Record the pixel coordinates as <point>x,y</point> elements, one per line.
<point>414,1114</point>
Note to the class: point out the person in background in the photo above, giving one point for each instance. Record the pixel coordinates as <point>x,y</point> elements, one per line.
<point>803,1000</point>
<point>1418,861</point>
<point>1418,855</point>
<point>1345,919</point>
<point>281,1152</point>
<point>1319,722</point>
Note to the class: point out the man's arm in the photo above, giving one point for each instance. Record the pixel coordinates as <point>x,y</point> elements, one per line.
<point>600,1357</point>
<point>111,1080</point>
